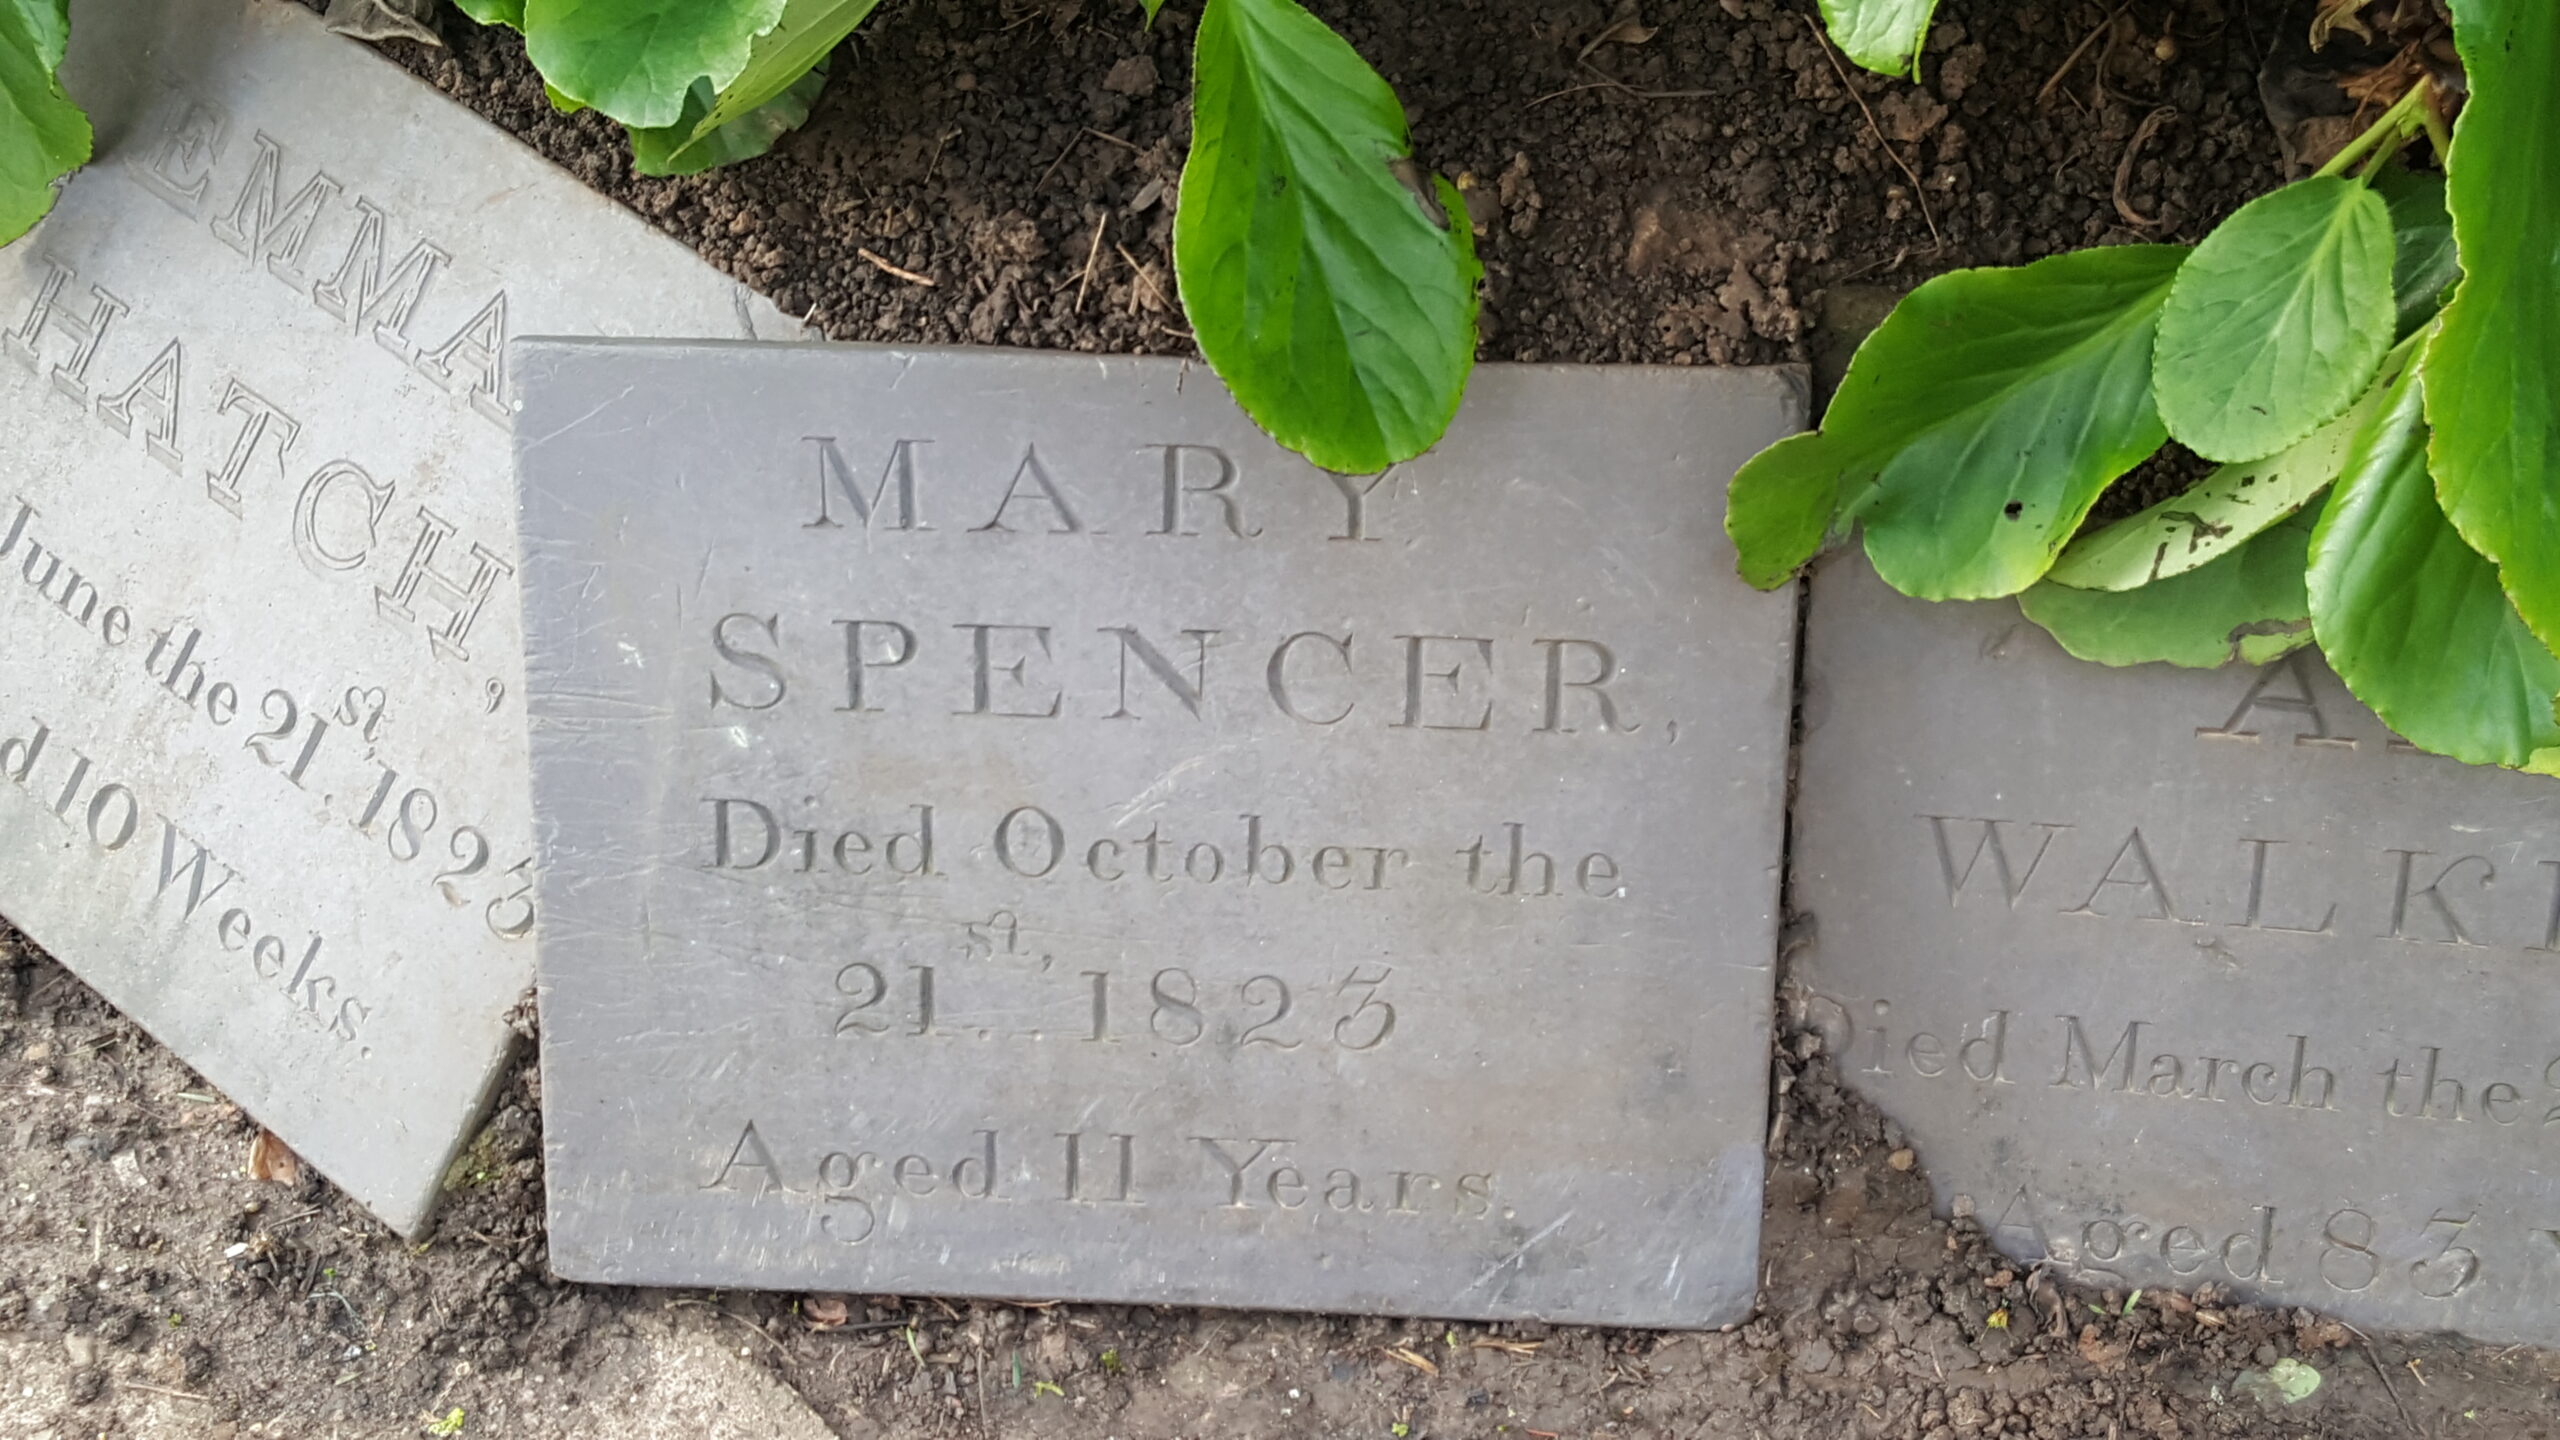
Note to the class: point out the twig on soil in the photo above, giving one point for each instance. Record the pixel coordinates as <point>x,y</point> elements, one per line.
<point>165,1390</point>
<point>2385,1376</point>
<point>936,161</point>
<point>1571,90</point>
<point>1092,253</point>
<point>1608,81</point>
<point>2046,93</point>
<point>1072,142</point>
<point>1917,194</point>
<point>1156,295</point>
<point>1114,139</point>
<point>2142,134</point>
<point>901,272</point>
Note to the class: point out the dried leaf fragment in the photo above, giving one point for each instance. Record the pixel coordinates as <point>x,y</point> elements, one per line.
<point>271,1159</point>
<point>2335,15</point>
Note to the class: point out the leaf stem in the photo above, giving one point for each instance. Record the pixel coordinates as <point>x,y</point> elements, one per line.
<point>2439,134</point>
<point>2394,127</point>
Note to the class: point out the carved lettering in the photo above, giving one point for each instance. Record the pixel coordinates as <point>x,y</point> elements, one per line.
<point>316,549</point>
<point>1455,678</point>
<point>2433,894</point>
<point>264,229</point>
<point>260,419</point>
<point>360,295</point>
<point>181,167</point>
<point>45,312</point>
<point>157,391</point>
<point>1063,518</point>
<point>2012,882</point>
<point>897,483</point>
<point>463,599</point>
<point>2145,877</point>
<point>1153,659</point>
<point>1179,491</point>
<point>473,364</point>
<point>2263,694</point>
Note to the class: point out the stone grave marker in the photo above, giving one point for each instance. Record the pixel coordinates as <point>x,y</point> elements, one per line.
<point>2180,976</point>
<point>1010,829</point>
<point>262,776</point>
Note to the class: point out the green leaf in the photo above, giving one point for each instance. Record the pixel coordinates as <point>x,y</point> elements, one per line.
<point>1780,506</point>
<point>2493,368</point>
<point>809,32</point>
<point>2412,618</point>
<point>2248,605</point>
<point>1991,408</point>
<point>1321,269</point>
<point>494,12</point>
<point>1883,35</point>
<point>637,60</point>
<point>1152,7</point>
<point>696,143</point>
<point>47,26</point>
<point>43,136</point>
<point>2216,515</point>
<point>2278,320</point>
<point>563,104</point>
<point>2423,259</point>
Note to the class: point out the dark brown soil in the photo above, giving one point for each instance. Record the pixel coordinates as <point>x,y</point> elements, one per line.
<point>1714,194</point>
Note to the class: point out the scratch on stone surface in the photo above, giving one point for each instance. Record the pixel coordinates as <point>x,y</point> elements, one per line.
<point>1155,792</point>
<point>600,407</point>
<point>1513,1258</point>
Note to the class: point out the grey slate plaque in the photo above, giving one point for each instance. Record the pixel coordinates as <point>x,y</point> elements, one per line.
<point>1010,829</point>
<point>262,775</point>
<point>2186,976</point>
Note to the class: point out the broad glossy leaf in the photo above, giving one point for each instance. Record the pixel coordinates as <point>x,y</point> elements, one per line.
<point>1780,506</point>
<point>2216,515</point>
<point>43,136</point>
<point>2423,259</point>
<point>809,32</point>
<point>2412,618</point>
<point>1882,35</point>
<point>47,26</point>
<point>696,142</point>
<point>2248,605</point>
<point>1990,410</point>
<point>2278,320</point>
<point>2493,369</point>
<point>494,12</point>
<point>1321,271</point>
<point>637,60</point>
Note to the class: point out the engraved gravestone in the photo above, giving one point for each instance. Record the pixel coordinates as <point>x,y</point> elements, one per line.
<point>1010,829</point>
<point>2185,976</point>
<point>262,775</point>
